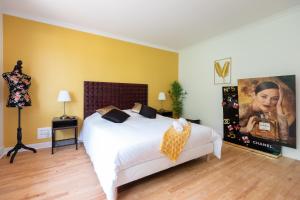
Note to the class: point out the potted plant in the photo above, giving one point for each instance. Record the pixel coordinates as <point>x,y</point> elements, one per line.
<point>177,95</point>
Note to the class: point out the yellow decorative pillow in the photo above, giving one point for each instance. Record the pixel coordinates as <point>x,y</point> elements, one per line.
<point>136,108</point>
<point>106,109</point>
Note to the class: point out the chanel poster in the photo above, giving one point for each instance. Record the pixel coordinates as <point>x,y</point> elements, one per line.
<point>232,128</point>
<point>267,110</point>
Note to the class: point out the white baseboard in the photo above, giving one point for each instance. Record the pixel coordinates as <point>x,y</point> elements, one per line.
<point>42,145</point>
<point>2,152</point>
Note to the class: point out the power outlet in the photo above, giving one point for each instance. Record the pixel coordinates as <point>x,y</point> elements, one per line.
<point>43,133</point>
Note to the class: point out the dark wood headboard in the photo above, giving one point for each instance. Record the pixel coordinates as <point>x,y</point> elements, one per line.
<point>122,95</point>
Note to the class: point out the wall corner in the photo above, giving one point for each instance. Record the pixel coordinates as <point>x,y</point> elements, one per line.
<point>1,86</point>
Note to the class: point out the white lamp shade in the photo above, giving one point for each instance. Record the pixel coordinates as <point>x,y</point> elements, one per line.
<point>63,96</point>
<point>161,96</point>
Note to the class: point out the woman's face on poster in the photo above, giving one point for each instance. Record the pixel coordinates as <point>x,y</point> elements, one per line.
<point>267,99</point>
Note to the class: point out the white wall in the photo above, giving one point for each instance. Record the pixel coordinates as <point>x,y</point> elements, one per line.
<point>269,47</point>
<point>1,84</point>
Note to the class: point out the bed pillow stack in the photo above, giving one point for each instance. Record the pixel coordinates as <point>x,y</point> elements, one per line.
<point>144,110</point>
<point>136,108</point>
<point>106,109</point>
<point>148,112</point>
<point>113,114</point>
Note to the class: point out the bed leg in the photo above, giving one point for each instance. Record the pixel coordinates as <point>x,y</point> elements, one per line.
<point>207,157</point>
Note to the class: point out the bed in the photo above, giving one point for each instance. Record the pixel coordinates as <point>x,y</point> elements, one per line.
<point>122,153</point>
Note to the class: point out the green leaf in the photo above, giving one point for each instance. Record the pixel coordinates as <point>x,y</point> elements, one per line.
<point>177,95</point>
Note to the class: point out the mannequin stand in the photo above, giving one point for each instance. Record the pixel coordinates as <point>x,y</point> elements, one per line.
<point>19,144</point>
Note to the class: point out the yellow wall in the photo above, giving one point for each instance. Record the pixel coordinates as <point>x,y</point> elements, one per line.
<point>1,82</point>
<point>58,58</point>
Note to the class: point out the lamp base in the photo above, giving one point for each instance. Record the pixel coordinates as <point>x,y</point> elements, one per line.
<point>64,117</point>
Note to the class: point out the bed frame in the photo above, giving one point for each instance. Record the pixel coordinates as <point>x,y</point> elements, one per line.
<point>124,95</point>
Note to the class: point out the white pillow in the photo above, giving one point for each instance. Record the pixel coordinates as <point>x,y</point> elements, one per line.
<point>177,126</point>
<point>183,121</point>
<point>136,108</point>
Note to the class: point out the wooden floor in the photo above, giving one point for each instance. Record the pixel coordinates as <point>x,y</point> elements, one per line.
<point>68,174</point>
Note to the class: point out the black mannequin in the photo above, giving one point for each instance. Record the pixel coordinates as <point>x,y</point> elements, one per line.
<point>18,66</point>
<point>18,84</point>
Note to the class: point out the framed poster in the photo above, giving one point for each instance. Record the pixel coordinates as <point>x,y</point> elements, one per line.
<point>222,71</point>
<point>267,110</point>
<point>231,125</point>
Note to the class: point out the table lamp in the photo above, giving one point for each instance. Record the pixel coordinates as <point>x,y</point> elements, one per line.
<point>64,96</point>
<point>161,98</point>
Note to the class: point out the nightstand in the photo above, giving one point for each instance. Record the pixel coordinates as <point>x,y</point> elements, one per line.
<point>62,124</point>
<point>165,113</point>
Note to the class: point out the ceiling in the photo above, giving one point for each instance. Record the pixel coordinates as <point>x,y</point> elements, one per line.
<point>166,24</point>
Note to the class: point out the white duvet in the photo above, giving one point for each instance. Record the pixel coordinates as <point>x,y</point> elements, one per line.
<point>113,147</point>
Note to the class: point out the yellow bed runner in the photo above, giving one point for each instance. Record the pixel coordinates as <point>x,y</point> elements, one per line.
<point>173,142</point>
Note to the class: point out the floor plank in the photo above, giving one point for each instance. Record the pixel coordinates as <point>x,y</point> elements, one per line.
<point>68,174</point>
